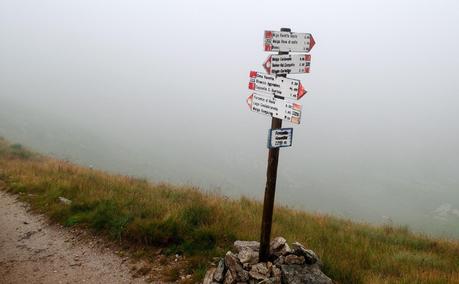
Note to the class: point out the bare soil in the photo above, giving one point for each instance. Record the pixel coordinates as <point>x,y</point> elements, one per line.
<point>34,251</point>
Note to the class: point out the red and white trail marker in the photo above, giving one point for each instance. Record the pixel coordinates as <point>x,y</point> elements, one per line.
<point>288,41</point>
<point>278,86</point>
<point>278,108</point>
<point>287,64</point>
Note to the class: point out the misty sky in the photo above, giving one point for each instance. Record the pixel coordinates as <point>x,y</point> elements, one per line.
<point>161,87</point>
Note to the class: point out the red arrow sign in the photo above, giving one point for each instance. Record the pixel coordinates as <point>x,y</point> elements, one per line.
<point>278,86</point>
<point>288,41</point>
<point>249,101</point>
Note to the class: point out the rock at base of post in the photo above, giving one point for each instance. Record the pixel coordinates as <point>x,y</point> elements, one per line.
<point>290,265</point>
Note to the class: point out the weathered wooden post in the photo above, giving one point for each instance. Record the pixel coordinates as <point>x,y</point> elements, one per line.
<point>276,102</point>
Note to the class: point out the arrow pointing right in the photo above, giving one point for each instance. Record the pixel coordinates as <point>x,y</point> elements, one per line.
<point>277,86</point>
<point>301,91</point>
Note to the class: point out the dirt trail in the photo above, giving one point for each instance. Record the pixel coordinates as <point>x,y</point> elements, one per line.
<point>32,251</point>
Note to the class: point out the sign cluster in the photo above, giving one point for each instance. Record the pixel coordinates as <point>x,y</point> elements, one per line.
<point>272,93</point>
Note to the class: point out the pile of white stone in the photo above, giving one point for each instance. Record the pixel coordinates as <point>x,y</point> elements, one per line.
<point>294,264</point>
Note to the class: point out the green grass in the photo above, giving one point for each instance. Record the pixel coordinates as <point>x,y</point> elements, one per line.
<point>201,225</point>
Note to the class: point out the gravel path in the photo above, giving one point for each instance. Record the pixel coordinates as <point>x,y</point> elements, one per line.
<point>32,251</point>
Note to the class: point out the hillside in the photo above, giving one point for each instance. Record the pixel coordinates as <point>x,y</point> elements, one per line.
<point>201,225</point>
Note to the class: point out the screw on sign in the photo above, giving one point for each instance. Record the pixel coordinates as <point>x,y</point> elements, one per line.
<point>275,95</point>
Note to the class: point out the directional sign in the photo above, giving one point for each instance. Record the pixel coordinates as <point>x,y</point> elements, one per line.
<point>279,86</point>
<point>278,108</point>
<point>288,41</point>
<point>281,137</point>
<point>287,64</point>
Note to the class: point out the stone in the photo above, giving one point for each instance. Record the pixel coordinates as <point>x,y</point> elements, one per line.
<point>229,278</point>
<point>240,245</point>
<point>300,274</point>
<point>297,246</point>
<point>219,273</point>
<point>209,277</point>
<point>269,265</point>
<point>276,272</point>
<point>277,243</point>
<point>286,250</point>
<point>261,268</point>
<point>257,276</point>
<point>243,276</point>
<point>294,259</point>
<point>259,271</point>
<point>279,261</point>
<point>290,265</point>
<point>234,266</point>
<point>309,256</point>
<point>269,281</point>
<point>247,255</point>
<point>65,201</point>
<point>279,246</point>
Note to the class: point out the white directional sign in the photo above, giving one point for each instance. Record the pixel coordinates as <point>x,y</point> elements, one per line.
<point>278,108</point>
<point>281,137</point>
<point>279,86</point>
<point>287,64</point>
<point>288,41</point>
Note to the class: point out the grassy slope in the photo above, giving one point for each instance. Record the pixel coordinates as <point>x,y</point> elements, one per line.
<point>202,224</point>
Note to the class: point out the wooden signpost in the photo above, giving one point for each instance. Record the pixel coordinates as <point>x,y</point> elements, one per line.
<point>273,92</point>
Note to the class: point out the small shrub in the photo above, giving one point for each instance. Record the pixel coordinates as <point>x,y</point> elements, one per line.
<point>17,151</point>
<point>79,218</point>
<point>17,187</point>
<point>201,240</point>
<point>78,207</point>
<point>163,233</point>
<point>16,146</point>
<point>197,215</point>
<point>107,216</point>
<point>198,268</point>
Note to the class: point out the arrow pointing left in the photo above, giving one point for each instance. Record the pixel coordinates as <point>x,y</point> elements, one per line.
<point>287,64</point>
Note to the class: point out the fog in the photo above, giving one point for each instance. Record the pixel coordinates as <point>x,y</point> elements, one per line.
<point>157,89</point>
